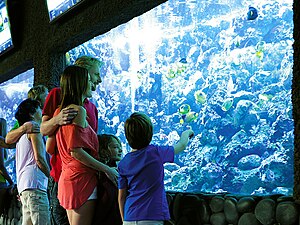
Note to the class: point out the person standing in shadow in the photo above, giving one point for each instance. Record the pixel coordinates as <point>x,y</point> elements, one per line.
<point>107,208</point>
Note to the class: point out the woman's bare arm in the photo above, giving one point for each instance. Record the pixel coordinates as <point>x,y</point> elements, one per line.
<point>14,135</point>
<point>3,144</point>
<point>82,156</point>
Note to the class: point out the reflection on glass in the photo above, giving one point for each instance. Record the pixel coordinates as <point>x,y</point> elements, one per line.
<point>5,32</point>
<point>224,69</point>
<point>12,93</point>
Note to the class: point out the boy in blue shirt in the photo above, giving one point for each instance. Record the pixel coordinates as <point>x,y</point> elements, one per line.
<point>142,197</point>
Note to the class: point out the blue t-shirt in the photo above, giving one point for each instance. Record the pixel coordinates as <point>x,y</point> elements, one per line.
<point>142,174</point>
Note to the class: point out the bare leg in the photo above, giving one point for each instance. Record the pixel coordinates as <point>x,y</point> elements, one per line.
<point>69,214</point>
<point>83,215</point>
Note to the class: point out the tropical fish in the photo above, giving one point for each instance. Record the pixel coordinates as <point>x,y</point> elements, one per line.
<point>139,75</point>
<point>175,70</point>
<point>181,121</point>
<point>200,96</point>
<point>171,73</point>
<point>227,104</point>
<point>260,49</point>
<point>189,117</point>
<point>183,60</point>
<point>184,109</point>
<point>181,68</point>
<point>252,13</point>
<point>260,45</point>
<point>260,54</point>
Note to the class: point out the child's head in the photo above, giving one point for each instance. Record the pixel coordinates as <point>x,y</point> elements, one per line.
<point>110,148</point>
<point>138,130</point>
<point>38,92</point>
<point>29,110</point>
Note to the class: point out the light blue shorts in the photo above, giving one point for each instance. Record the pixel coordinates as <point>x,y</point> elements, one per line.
<point>93,196</point>
<point>143,222</point>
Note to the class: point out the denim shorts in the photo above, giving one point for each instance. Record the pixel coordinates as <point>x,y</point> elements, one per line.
<point>143,222</point>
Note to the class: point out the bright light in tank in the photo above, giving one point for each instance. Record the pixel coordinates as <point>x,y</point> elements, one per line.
<point>148,34</point>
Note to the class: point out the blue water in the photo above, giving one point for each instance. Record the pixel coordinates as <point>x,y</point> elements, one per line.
<point>204,65</point>
<point>201,64</point>
<point>12,93</point>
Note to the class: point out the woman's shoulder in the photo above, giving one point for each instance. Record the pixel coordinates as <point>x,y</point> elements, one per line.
<point>80,119</point>
<point>78,107</point>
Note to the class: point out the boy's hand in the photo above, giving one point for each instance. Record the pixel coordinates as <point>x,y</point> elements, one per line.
<point>189,133</point>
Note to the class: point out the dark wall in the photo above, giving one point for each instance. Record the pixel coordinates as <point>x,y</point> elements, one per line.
<point>42,45</point>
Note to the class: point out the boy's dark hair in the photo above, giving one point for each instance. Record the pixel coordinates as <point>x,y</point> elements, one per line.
<point>25,110</point>
<point>138,130</point>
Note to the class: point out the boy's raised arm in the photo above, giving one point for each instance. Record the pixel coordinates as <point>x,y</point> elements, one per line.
<point>183,141</point>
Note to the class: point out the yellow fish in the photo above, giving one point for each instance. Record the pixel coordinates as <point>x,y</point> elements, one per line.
<point>190,117</point>
<point>260,54</point>
<point>200,97</point>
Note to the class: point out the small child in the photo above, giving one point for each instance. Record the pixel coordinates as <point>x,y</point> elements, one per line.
<point>110,149</point>
<point>107,210</point>
<point>142,197</point>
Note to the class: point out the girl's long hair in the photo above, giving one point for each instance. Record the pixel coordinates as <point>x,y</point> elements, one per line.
<point>73,84</point>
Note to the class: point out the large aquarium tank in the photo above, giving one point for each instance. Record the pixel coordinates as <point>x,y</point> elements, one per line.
<point>223,68</point>
<point>12,93</point>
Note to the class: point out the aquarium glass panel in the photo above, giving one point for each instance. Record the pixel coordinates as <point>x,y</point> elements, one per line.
<point>223,68</point>
<point>12,93</point>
